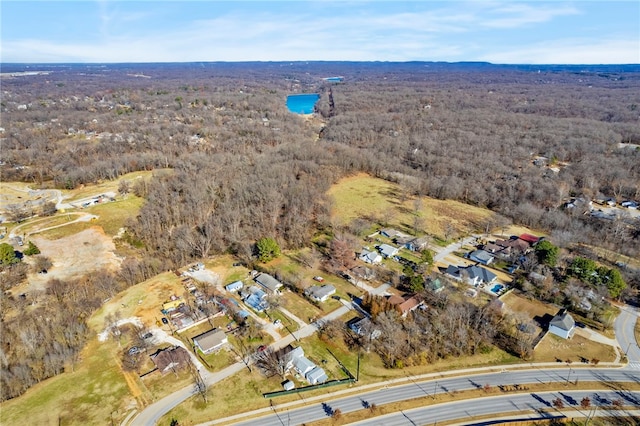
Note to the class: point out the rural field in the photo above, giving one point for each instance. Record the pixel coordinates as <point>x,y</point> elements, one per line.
<point>382,202</point>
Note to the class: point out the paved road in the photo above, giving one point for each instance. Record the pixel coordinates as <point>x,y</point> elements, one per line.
<point>624,328</point>
<point>532,406</point>
<point>318,408</point>
<point>446,251</point>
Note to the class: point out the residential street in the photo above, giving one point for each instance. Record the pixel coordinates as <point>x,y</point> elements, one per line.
<point>624,328</point>
<point>624,332</point>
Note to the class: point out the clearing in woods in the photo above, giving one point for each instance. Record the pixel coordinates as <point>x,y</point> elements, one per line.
<point>386,203</point>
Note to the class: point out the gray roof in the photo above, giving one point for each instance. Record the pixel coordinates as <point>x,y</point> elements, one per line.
<point>317,375</point>
<point>210,340</point>
<point>481,256</point>
<point>268,282</point>
<point>563,321</point>
<point>482,273</point>
<point>320,292</point>
<point>388,250</point>
<point>303,364</point>
<point>236,285</point>
<point>370,256</point>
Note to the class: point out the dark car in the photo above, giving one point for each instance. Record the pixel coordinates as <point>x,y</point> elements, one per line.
<point>165,321</point>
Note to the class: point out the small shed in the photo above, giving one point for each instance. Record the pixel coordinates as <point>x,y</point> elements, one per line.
<point>288,385</point>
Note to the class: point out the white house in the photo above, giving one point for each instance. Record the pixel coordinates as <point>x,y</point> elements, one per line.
<point>210,341</point>
<point>234,286</point>
<point>370,256</point>
<point>268,282</point>
<point>562,325</point>
<point>320,293</point>
<point>387,250</point>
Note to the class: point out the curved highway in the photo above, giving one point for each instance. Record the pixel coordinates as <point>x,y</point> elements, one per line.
<point>322,406</point>
<point>531,406</point>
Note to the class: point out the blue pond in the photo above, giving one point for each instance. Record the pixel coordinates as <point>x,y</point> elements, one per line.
<point>302,104</point>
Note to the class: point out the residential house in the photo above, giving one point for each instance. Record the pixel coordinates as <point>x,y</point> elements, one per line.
<point>405,304</point>
<point>371,257</point>
<point>320,293</point>
<point>585,304</point>
<point>170,359</point>
<point>435,285</point>
<point>303,366</point>
<point>515,244</point>
<point>255,298</point>
<point>497,250</point>
<point>234,286</point>
<point>317,375</point>
<point>390,233</point>
<point>481,256</point>
<point>268,282</point>
<point>480,275</point>
<point>364,327</point>
<point>473,275</point>
<point>562,325</point>
<point>530,239</point>
<point>387,250</point>
<point>210,341</point>
<point>363,272</point>
<point>417,244</point>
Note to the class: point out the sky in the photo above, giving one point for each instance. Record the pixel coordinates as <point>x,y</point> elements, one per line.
<point>498,31</point>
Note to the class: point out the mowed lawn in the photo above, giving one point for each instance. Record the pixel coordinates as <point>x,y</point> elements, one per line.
<point>382,202</point>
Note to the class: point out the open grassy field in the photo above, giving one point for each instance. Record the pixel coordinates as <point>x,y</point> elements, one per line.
<point>384,204</point>
<point>72,195</point>
<point>553,348</point>
<point>95,392</point>
<point>533,308</point>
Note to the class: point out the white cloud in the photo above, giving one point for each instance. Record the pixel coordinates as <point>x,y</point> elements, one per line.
<point>599,51</point>
<point>519,14</point>
<point>438,34</point>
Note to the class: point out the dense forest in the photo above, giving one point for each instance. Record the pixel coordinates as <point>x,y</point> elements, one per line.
<point>244,167</point>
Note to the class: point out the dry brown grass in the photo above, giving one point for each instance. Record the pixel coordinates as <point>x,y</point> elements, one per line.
<point>363,196</point>
<point>533,308</point>
<point>554,348</point>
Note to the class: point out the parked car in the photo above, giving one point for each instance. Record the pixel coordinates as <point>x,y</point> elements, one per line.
<point>319,279</point>
<point>165,321</point>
